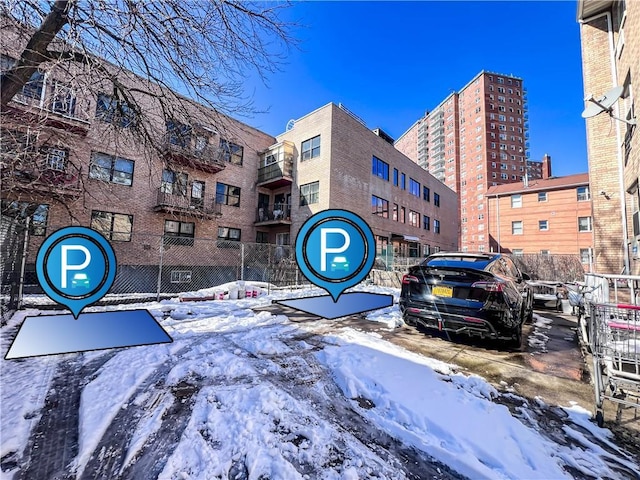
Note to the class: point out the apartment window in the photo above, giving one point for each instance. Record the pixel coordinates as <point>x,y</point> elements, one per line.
<point>516,201</point>
<point>311,148</point>
<point>283,239</point>
<point>380,168</point>
<point>414,219</point>
<point>504,176</point>
<point>414,187</point>
<point>426,194</point>
<point>262,237</point>
<point>583,194</point>
<point>231,152</point>
<point>179,233</point>
<point>426,222</point>
<point>20,210</point>
<point>55,158</point>
<point>178,134</point>
<point>174,183</point>
<point>227,194</point>
<point>584,224</point>
<point>379,206</point>
<point>586,255</point>
<point>403,181</point>
<point>395,212</point>
<point>518,252</point>
<point>395,177</point>
<point>403,212</point>
<point>64,100</point>
<point>110,168</point>
<point>436,199</point>
<point>543,225</point>
<point>113,226</point>
<point>309,193</point>
<point>516,227</point>
<point>436,226</point>
<point>34,86</point>
<point>545,253</point>
<point>542,196</point>
<point>229,234</point>
<point>116,112</point>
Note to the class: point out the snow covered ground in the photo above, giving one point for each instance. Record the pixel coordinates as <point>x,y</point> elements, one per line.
<point>245,394</point>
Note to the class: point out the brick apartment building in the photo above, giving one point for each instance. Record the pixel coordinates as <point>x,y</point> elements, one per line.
<point>474,139</point>
<point>330,159</point>
<point>212,178</point>
<point>544,216</point>
<point>610,37</point>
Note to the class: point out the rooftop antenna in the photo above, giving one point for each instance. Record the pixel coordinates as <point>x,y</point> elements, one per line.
<point>605,104</point>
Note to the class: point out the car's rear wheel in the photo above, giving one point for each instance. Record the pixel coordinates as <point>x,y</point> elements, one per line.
<point>516,340</point>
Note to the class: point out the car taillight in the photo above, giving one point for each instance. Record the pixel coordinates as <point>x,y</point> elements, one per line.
<point>489,286</point>
<point>407,279</point>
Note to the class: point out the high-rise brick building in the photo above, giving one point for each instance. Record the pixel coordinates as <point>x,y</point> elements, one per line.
<point>610,36</point>
<point>474,139</point>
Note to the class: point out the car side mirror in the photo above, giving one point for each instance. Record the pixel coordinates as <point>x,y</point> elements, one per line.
<point>526,277</point>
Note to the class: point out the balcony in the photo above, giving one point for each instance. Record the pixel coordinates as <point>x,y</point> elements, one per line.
<point>276,175</point>
<point>185,151</point>
<point>204,207</point>
<point>39,177</point>
<point>275,214</point>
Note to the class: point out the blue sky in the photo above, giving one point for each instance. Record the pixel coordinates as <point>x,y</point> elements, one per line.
<point>389,62</point>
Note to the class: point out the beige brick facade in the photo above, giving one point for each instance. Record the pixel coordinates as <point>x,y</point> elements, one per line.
<point>610,36</point>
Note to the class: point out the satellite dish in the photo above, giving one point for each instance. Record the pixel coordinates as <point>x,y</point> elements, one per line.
<point>602,104</point>
<point>290,124</point>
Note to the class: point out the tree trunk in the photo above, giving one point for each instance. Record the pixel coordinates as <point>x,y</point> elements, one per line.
<point>35,53</point>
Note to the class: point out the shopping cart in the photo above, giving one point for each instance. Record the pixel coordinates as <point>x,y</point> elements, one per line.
<point>579,296</point>
<point>615,344</point>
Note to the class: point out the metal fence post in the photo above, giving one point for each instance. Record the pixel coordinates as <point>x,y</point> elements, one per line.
<point>242,261</point>
<point>160,269</point>
<point>23,261</point>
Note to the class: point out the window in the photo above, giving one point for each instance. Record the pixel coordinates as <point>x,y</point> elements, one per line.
<point>426,194</point>
<point>230,234</point>
<point>543,225</point>
<point>414,187</point>
<point>262,237</point>
<point>283,239</point>
<point>586,255</point>
<point>380,168</point>
<point>395,212</point>
<point>584,224</point>
<point>174,183</point>
<point>64,100</point>
<point>55,158</point>
<point>545,253</point>
<point>436,199</point>
<point>403,181</point>
<point>19,211</point>
<point>414,219</point>
<point>113,226</point>
<point>231,152</point>
<point>395,177</point>
<point>379,206</point>
<point>583,194</point>
<point>34,86</point>
<point>518,252</point>
<point>110,168</point>
<point>516,201</point>
<point>117,112</point>
<point>403,212</point>
<point>426,222</point>
<point>178,233</point>
<point>227,194</point>
<point>542,196</point>
<point>436,226</point>
<point>180,276</point>
<point>178,134</point>
<point>311,148</point>
<point>516,227</point>
<point>309,193</point>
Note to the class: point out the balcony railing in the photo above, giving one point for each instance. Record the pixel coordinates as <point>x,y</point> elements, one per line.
<point>203,157</point>
<point>42,178</point>
<point>274,214</point>
<point>205,206</point>
<point>276,171</point>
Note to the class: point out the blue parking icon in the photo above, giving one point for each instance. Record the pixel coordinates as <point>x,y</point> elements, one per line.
<point>76,266</point>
